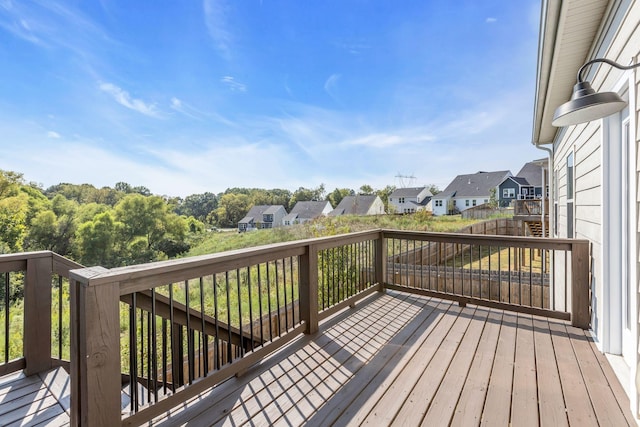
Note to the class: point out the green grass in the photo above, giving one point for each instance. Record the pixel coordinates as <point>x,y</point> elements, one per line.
<point>215,242</point>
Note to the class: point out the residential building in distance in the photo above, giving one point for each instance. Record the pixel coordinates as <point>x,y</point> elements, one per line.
<point>526,185</point>
<point>467,191</point>
<point>262,216</point>
<point>410,200</point>
<point>307,211</point>
<point>359,205</point>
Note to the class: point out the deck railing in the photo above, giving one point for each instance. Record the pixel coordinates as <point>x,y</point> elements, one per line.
<point>530,207</point>
<point>161,333</point>
<point>34,311</point>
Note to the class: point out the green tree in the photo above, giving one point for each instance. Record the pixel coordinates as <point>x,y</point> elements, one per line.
<point>338,194</point>
<point>13,222</point>
<point>433,189</point>
<point>231,209</point>
<point>384,196</point>
<point>493,198</point>
<point>366,190</point>
<point>97,241</point>
<point>198,206</point>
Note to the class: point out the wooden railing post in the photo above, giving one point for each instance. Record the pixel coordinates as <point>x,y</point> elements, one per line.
<point>37,315</point>
<point>309,289</point>
<point>580,285</point>
<point>381,260</point>
<point>95,350</point>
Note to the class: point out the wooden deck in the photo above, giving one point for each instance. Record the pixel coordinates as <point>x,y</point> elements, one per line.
<point>401,359</point>
<point>396,359</point>
<point>38,400</point>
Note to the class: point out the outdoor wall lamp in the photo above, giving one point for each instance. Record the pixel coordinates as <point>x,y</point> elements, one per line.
<point>586,104</point>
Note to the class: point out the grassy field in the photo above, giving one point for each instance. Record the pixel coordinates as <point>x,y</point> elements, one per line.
<point>221,241</point>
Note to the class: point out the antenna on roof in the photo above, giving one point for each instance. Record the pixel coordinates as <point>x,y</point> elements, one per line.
<point>406,180</point>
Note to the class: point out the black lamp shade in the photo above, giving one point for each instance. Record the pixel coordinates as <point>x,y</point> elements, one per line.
<point>587,105</point>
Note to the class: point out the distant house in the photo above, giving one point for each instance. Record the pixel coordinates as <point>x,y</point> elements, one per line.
<point>307,211</point>
<point>410,200</point>
<point>359,205</point>
<point>467,191</point>
<point>526,185</point>
<point>262,216</point>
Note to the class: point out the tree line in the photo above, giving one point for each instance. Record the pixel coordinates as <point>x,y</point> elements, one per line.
<point>128,224</point>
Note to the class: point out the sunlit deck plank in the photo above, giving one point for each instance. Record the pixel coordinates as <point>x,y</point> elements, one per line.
<point>418,401</point>
<point>579,408</point>
<point>551,401</point>
<point>468,411</point>
<point>604,402</point>
<point>356,398</point>
<point>387,407</point>
<point>445,401</point>
<point>404,358</point>
<point>524,401</point>
<point>498,399</point>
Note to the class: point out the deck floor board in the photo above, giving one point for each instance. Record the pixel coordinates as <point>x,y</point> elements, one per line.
<point>406,360</point>
<point>395,358</point>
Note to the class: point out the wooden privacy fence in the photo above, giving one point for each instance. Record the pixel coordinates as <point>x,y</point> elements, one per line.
<point>163,332</point>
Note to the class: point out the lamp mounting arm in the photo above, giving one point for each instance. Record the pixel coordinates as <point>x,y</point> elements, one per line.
<point>606,61</point>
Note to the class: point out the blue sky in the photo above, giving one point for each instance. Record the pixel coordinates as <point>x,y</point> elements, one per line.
<point>188,96</point>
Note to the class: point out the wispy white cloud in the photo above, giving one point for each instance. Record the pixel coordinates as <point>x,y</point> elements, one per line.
<point>217,21</point>
<point>233,84</point>
<point>53,24</point>
<point>331,83</point>
<point>123,98</point>
<point>491,20</point>
<point>53,135</point>
<point>388,140</point>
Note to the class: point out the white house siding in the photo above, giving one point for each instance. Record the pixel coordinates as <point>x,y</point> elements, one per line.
<point>594,211</point>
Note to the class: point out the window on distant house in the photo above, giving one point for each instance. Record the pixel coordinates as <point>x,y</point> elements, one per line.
<point>401,200</point>
<point>486,200</point>
<point>474,202</point>
<point>508,193</point>
<point>439,203</point>
<point>466,202</point>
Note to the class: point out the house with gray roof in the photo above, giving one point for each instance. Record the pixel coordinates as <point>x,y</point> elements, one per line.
<point>467,191</point>
<point>307,211</point>
<point>526,185</point>
<point>262,216</point>
<point>359,205</point>
<point>410,200</point>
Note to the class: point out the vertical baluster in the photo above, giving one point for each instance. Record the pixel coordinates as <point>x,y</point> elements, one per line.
<point>333,274</point>
<point>190,344</point>
<point>509,262</point>
<point>133,351</point>
<point>250,307</point>
<point>284,290</point>
<point>260,305</point>
<point>499,274</point>
<point>269,301</point>
<point>142,370</point>
<point>229,352</point>
<point>205,338</point>
<point>154,344</point>
<point>164,356</point>
<point>6,317</point>
<point>277,280</point>
<point>60,311</point>
<point>293,309</point>
<point>149,353</point>
<point>323,279</point>
<point>216,339</point>
<point>172,338</point>
<point>242,347</point>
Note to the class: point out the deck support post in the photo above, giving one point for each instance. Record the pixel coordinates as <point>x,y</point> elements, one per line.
<point>95,350</point>
<point>309,289</point>
<point>37,315</point>
<point>381,260</point>
<point>580,285</point>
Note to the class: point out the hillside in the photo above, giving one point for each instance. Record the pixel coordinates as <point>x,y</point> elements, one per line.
<point>228,240</point>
